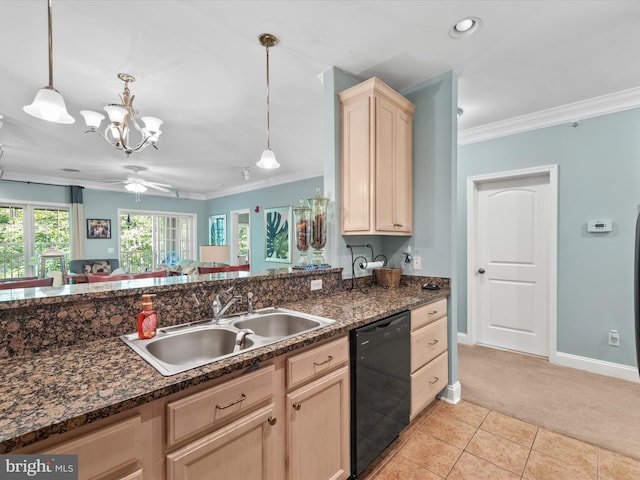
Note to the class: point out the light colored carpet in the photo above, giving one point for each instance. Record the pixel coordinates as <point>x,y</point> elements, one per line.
<point>597,409</point>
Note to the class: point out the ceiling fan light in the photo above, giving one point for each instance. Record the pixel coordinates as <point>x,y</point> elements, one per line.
<point>268,160</point>
<point>152,124</point>
<point>91,118</point>
<point>49,105</point>
<point>116,113</point>
<point>135,187</point>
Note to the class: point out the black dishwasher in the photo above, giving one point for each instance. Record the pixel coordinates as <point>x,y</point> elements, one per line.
<point>380,387</point>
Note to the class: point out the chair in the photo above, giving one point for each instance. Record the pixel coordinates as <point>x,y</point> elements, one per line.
<point>94,278</point>
<point>226,268</point>
<point>27,283</point>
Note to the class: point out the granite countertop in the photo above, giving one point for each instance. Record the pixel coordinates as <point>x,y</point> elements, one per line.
<point>60,389</point>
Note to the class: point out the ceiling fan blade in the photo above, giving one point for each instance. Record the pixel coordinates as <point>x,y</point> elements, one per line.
<point>149,184</point>
<point>156,186</point>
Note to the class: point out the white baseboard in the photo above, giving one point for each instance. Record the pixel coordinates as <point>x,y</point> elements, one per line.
<point>583,363</point>
<point>597,366</point>
<point>463,338</point>
<point>451,393</point>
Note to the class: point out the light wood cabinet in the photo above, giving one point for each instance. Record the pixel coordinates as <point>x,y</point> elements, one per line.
<point>117,448</point>
<point>243,442</point>
<point>318,413</point>
<point>376,160</point>
<point>429,356</point>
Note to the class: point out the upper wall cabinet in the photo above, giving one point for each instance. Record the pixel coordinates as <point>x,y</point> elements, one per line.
<point>376,160</point>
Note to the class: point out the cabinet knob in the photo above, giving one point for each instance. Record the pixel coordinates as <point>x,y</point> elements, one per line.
<point>481,271</point>
<point>297,406</point>
<point>272,420</point>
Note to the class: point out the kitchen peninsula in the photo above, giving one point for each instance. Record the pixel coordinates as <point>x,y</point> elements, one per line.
<point>64,367</point>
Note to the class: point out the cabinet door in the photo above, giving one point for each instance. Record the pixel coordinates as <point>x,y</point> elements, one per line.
<point>318,428</point>
<point>242,450</point>
<point>357,173</point>
<point>403,178</point>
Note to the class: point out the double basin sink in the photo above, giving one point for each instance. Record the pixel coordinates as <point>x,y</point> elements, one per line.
<point>182,347</point>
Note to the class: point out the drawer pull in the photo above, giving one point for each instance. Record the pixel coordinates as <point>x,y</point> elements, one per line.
<point>435,380</point>
<point>241,399</point>
<point>272,420</point>
<point>432,313</point>
<point>297,406</point>
<point>435,340</point>
<point>329,358</point>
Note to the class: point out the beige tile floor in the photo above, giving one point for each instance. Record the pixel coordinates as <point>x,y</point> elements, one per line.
<point>468,442</point>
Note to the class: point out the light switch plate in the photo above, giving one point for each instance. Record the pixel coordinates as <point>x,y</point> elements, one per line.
<point>110,250</point>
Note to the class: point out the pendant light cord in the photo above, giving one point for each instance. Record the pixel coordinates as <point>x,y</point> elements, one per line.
<point>268,104</point>
<point>50,49</point>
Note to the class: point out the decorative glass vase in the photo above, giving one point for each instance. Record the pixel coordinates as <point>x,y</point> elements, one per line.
<point>318,205</point>
<point>302,220</point>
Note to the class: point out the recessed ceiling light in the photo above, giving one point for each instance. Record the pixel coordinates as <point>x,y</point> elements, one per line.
<point>465,28</point>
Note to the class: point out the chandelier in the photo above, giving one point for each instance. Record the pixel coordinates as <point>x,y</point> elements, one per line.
<point>122,119</point>
<point>268,158</point>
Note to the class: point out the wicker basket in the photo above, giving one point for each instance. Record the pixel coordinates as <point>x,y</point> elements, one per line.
<point>388,277</point>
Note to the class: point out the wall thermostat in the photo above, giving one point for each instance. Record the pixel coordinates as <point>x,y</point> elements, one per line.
<point>601,225</point>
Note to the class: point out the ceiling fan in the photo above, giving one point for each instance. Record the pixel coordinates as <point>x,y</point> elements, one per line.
<point>135,183</point>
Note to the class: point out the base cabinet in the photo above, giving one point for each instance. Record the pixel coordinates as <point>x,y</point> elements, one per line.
<point>429,356</point>
<point>242,449</point>
<point>318,433</point>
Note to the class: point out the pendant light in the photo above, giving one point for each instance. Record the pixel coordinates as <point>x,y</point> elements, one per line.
<point>48,104</point>
<point>268,158</point>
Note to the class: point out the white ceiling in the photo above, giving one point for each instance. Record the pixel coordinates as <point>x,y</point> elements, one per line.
<point>200,68</point>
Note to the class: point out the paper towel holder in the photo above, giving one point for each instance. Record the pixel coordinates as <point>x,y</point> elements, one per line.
<point>363,264</point>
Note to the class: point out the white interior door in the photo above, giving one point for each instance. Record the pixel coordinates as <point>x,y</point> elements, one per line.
<point>512,263</point>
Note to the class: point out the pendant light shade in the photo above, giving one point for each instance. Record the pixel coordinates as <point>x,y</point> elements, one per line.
<point>48,104</point>
<point>268,157</point>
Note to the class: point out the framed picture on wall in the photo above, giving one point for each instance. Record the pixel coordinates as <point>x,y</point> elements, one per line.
<point>98,228</point>
<point>218,229</point>
<point>277,227</point>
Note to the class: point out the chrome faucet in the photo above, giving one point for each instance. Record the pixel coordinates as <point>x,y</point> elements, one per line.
<point>219,309</point>
<point>240,337</point>
<point>249,303</point>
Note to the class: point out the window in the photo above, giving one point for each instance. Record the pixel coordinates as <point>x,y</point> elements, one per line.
<point>150,239</point>
<point>27,230</point>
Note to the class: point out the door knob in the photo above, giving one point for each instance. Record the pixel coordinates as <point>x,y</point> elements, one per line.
<point>481,271</point>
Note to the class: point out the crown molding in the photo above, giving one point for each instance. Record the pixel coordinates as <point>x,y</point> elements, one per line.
<point>615,102</point>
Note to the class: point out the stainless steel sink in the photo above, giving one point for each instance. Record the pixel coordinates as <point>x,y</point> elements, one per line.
<point>277,324</point>
<point>192,347</point>
<point>182,347</point>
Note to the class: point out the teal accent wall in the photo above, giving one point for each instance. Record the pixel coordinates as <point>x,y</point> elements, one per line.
<point>105,204</point>
<point>277,196</point>
<point>598,177</point>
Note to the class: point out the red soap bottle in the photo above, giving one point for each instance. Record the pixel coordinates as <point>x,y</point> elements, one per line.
<point>147,318</point>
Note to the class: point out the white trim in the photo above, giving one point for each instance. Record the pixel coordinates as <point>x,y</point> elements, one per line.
<point>593,107</point>
<point>472,198</point>
<point>451,393</point>
<point>597,366</point>
<point>463,338</point>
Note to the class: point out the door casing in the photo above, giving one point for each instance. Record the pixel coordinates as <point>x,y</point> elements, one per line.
<point>472,199</point>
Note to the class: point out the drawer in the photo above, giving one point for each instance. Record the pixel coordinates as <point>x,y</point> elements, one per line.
<point>427,382</point>
<point>114,447</point>
<point>196,413</point>
<point>428,342</point>
<point>317,361</point>
<point>428,313</point>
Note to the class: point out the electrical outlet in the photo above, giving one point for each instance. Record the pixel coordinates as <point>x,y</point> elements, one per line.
<point>316,285</point>
<point>110,250</point>
<point>417,263</point>
<point>614,338</point>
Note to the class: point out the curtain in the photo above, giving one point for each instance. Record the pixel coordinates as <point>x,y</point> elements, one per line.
<point>77,222</point>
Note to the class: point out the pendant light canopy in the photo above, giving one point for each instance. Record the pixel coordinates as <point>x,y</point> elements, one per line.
<point>268,158</point>
<point>48,104</point>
